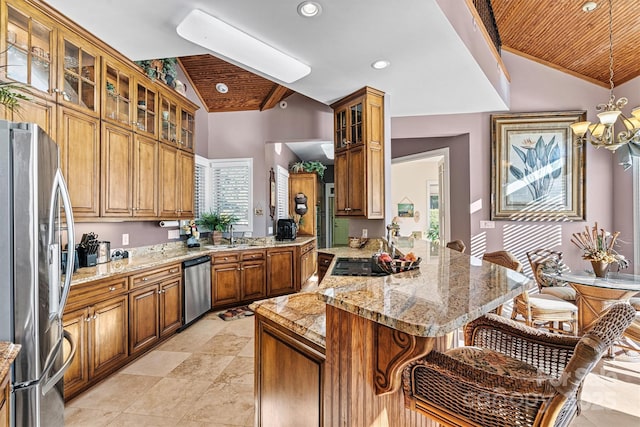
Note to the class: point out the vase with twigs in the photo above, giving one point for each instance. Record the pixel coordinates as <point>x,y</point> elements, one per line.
<point>597,246</point>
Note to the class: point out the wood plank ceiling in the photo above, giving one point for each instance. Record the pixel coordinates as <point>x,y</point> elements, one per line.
<point>247,91</point>
<point>559,34</point>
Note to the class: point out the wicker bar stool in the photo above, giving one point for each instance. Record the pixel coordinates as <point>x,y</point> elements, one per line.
<point>550,261</point>
<point>505,259</point>
<point>514,375</point>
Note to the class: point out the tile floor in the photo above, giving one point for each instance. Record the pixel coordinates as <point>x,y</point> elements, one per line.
<point>204,377</point>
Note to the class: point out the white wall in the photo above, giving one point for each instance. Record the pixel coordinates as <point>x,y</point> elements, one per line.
<point>409,182</point>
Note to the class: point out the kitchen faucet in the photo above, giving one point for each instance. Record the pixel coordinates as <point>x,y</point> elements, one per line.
<point>230,229</point>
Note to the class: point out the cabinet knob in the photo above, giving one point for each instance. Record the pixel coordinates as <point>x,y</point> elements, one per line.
<point>112,288</point>
<point>173,270</point>
<point>88,319</point>
<point>144,279</point>
<point>95,316</point>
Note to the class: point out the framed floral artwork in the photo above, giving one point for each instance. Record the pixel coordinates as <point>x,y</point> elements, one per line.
<point>537,167</point>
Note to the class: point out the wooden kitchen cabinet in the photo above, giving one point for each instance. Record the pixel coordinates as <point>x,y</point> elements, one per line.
<point>176,182</point>
<point>359,154</point>
<point>307,262</point>
<point>155,303</point>
<point>5,394</point>
<point>28,50</point>
<point>117,93</point>
<point>101,334</point>
<point>35,110</point>
<point>307,184</point>
<point>116,171</point>
<point>146,108</point>
<point>281,277</point>
<point>78,138</point>
<point>78,74</point>
<point>145,177</point>
<point>288,368</point>
<point>237,277</point>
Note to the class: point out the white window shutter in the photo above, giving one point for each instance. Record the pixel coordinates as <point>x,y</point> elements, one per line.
<point>282,187</point>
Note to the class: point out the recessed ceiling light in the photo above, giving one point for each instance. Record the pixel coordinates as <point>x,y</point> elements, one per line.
<point>309,9</point>
<point>380,64</point>
<point>236,45</point>
<point>589,6</point>
<point>222,88</point>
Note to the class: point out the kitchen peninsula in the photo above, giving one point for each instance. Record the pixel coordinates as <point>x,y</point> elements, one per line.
<point>338,351</point>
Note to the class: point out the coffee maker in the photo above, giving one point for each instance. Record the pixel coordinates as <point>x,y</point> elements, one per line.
<point>286,229</point>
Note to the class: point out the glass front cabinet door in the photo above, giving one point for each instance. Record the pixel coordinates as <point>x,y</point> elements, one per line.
<point>168,120</point>
<point>146,109</point>
<point>78,77</point>
<point>187,130</point>
<point>29,47</point>
<point>116,94</point>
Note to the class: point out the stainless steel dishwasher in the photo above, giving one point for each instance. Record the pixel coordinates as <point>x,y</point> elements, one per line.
<point>196,298</point>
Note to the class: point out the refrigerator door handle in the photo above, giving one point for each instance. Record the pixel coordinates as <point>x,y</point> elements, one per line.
<point>57,302</point>
<point>53,380</point>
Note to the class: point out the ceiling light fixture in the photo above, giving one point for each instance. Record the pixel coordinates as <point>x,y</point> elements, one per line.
<point>218,36</point>
<point>222,88</point>
<point>309,9</point>
<point>380,64</point>
<point>603,134</point>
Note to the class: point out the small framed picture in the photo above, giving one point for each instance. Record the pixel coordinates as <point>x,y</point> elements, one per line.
<point>405,210</point>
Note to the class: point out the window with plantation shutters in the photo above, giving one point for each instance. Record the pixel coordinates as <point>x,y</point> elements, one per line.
<point>200,186</point>
<point>231,183</point>
<point>282,188</point>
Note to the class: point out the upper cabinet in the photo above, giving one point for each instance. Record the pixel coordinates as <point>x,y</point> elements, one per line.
<point>78,74</point>
<point>109,119</point>
<point>116,93</point>
<point>29,45</point>
<point>359,154</point>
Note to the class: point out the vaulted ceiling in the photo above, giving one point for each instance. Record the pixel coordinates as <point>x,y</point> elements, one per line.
<point>432,71</point>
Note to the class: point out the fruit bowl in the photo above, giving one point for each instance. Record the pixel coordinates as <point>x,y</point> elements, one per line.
<point>398,265</point>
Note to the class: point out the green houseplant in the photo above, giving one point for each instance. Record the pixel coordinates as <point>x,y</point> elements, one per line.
<point>311,166</point>
<point>216,223</point>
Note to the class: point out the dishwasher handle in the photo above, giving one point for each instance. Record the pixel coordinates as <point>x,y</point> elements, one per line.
<point>196,261</point>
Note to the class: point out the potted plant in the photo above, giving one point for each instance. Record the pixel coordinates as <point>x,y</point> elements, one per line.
<point>216,223</point>
<point>311,166</point>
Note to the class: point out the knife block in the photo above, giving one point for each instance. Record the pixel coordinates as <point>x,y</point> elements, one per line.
<point>87,259</point>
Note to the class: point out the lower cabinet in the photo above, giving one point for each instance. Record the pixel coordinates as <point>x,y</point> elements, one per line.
<point>281,271</point>
<point>307,262</point>
<point>324,260</point>
<point>5,393</point>
<point>238,277</point>
<point>155,311</point>
<point>101,335</point>
<point>288,369</point>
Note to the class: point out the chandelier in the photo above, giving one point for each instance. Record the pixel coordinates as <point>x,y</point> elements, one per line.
<point>602,134</point>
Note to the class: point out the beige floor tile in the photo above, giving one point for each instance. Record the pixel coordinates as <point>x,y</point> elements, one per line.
<point>248,349</point>
<point>201,366</point>
<point>190,341</point>
<point>170,398</point>
<point>82,417</point>
<point>136,420</point>
<point>205,326</point>
<point>240,371</point>
<point>115,393</point>
<point>223,404</point>
<point>225,343</point>
<point>242,327</point>
<point>156,363</point>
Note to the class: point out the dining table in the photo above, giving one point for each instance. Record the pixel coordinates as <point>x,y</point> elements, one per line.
<point>595,294</point>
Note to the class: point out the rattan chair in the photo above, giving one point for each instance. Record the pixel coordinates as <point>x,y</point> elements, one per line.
<point>457,245</point>
<point>548,259</point>
<point>514,376</point>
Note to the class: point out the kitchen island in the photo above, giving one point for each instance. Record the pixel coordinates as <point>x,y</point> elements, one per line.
<point>342,365</point>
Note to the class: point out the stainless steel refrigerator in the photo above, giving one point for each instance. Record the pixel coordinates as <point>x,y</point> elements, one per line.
<point>35,221</point>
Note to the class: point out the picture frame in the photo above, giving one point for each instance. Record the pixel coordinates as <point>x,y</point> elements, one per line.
<point>537,167</point>
<point>405,210</point>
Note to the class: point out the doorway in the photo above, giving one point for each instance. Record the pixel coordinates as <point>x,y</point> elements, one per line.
<point>337,228</point>
<point>422,182</point>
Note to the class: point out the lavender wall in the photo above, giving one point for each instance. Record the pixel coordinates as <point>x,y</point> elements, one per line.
<point>459,175</point>
<point>534,87</point>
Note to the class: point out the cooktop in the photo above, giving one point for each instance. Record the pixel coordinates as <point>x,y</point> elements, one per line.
<point>357,267</point>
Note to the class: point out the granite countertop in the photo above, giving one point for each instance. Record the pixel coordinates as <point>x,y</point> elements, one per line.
<point>448,290</point>
<point>165,254</point>
<point>8,353</point>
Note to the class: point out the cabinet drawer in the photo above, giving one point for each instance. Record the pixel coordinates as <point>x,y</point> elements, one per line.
<point>156,274</point>
<point>252,255</point>
<point>308,247</point>
<point>88,293</point>
<point>225,257</point>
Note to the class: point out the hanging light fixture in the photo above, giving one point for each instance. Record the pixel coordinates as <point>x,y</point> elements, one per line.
<point>602,134</point>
